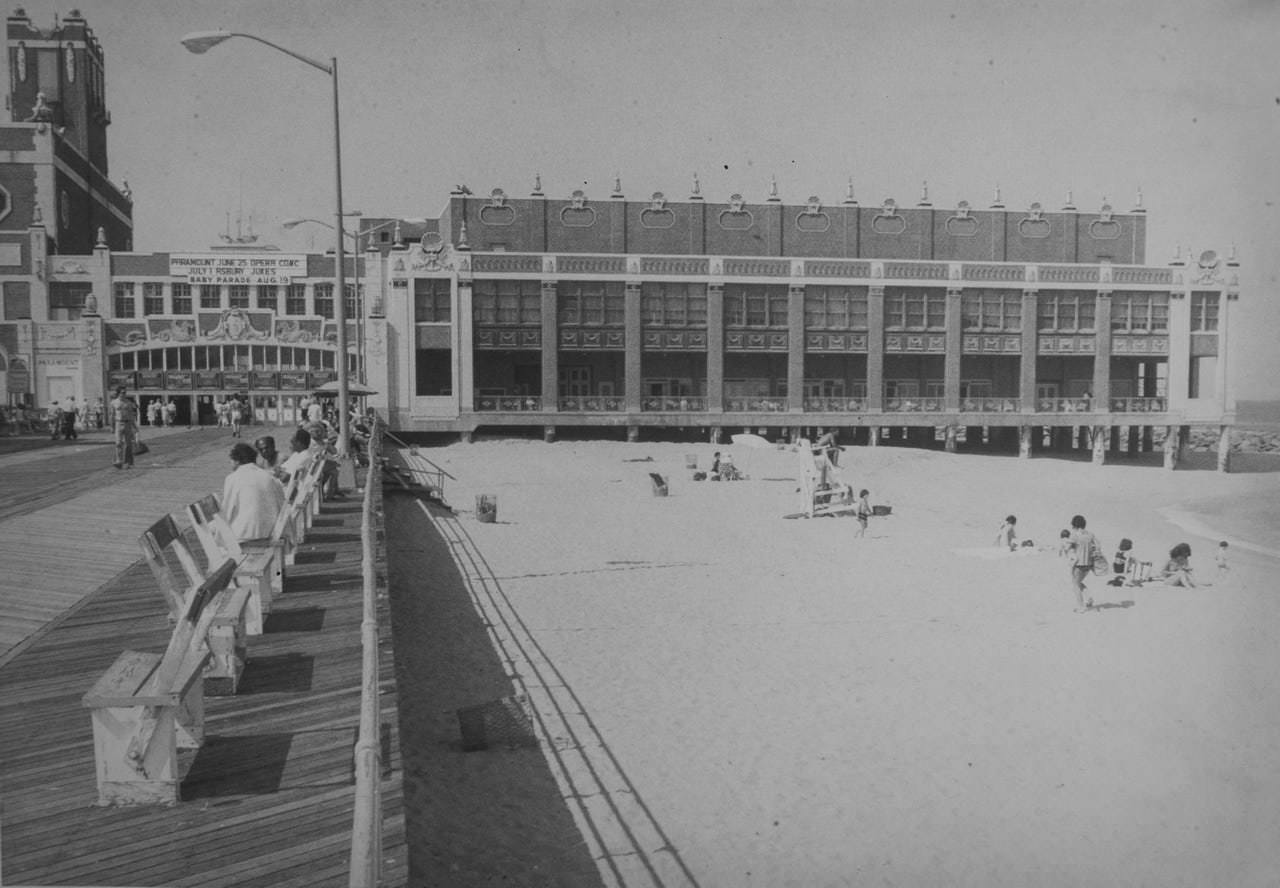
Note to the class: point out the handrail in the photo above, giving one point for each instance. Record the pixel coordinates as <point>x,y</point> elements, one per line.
<point>407,446</point>
<point>366,828</point>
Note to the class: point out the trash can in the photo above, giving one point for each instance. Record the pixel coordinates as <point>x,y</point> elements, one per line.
<point>659,484</point>
<point>486,508</point>
<point>691,460</point>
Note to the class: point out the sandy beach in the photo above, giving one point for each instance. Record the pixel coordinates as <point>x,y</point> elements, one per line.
<point>764,701</point>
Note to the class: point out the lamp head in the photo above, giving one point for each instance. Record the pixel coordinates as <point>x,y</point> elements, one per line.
<point>203,41</point>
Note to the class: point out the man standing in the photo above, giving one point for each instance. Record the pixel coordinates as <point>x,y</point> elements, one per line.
<point>69,419</point>
<point>251,496</point>
<point>124,419</point>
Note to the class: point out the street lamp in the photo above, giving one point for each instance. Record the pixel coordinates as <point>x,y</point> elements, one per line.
<point>359,263</point>
<point>202,41</point>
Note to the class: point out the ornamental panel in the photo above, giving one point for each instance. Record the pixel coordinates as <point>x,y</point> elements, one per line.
<point>674,265</point>
<point>591,264</point>
<point>1159,276</point>
<point>931,271</point>
<point>1068,274</point>
<point>972,272</point>
<point>506,263</point>
<point>835,268</point>
<point>757,267</point>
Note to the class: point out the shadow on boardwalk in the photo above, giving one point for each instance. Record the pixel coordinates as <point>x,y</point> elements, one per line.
<point>489,817</point>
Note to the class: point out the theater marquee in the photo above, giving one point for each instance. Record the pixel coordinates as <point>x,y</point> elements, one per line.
<point>237,268</point>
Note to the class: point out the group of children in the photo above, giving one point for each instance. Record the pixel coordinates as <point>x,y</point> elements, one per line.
<point>1128,569</point>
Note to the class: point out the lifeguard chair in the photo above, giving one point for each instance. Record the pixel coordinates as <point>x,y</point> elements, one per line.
<point>824,490</point>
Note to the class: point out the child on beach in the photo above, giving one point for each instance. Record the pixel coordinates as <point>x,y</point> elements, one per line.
<point>1007,536</point>
<point>863,512</point>
<point>1220,558</point>
<point>1129,570</point>
<point>1064,543</point>
<point>1083,546</point>
<point>1177,570</point>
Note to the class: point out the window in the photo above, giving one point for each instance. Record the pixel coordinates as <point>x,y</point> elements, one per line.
<point>1140,312</point>
<point>755,305</point>
<point>238,296</point>
<point>17,300</point>
<point>591,303</point>
<point>324,300</point>
<point>991,311</point>
<point>268,297</point>
<point>182,299</point>
<point>507,302</point>
<point>349,303</point>
<point>124,302</point>
<point>433,372</point>
<point>673,304</point>
<point>1060,312</point>
<point>295,299</point>
<point>911,308</point>
<point>1204,312</point>
<point>431,301</point>
<point>152,299</point>
<point>210,296</point>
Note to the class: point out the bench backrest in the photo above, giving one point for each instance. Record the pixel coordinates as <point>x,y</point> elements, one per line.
<point>192,626</point>
<point>156,543</point>
<point>213,531</point>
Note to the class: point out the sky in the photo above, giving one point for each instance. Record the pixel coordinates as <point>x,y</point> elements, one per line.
<point>1177,98</point>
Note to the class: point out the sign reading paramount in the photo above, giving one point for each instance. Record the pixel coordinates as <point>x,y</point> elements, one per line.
<point>238,268</point>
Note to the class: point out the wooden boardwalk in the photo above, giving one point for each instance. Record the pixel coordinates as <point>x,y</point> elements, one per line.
<point>267,800</point>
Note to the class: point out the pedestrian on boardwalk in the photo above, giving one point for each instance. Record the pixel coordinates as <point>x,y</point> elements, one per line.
<point>1084,545</point>
<point>54,419</point>
<point>863,512</point>
<point>69,411</point>
<point>251,496</point>
<point>235,410</point>
<point>170,413</point>
<point>124,419</point>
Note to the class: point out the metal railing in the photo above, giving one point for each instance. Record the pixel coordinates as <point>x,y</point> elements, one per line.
<point>1138,405</point>
<point>683,404</point>
<point>990,405</point>
<point>913,405</point>
<point>366,827</point>
<point>592,404</point>
<point>423,470</point>
<point>508,403</point>
<point>835,405</point>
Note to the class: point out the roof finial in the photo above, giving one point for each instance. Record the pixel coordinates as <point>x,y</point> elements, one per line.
<point>537,184</point>
<point>848,193</point>
<point>102,237</point>
<point>1137,204</point>
<point>924,194</point>
<point>996,202</point>
<point>1177,255</point>
<point>462,237</point>
<point>617,185</point>
<point>1071,203</point>
<point>773,188</point>
<point>1231,257</point>
<point>697,188</point>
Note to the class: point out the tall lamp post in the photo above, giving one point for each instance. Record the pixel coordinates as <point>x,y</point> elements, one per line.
<point>202,41</point>
<point>355,238</point>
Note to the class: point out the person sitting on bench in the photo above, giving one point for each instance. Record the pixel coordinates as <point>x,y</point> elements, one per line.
<point>251,496</point>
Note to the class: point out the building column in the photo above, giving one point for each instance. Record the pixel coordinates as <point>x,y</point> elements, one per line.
<point>1030,352</point>
<point>550,348</point>
<point>634,339</point>
<point>715,348</point>
<point>795,348</point>
<point>1224,448</point>
<point>873,436</point>
<point>1178,377</point>
<point>1024,441</point>
<point>875,349</point>
<point>1102,354</point>
<point>463,343</point>
<point>1099,436</point>
<point>1173,441</point>
<point>955,350</point>
<point>949,438</point>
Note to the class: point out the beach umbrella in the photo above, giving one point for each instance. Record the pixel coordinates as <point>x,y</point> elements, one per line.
<point>356,389</point>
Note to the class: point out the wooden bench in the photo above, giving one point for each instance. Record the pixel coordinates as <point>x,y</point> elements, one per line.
<point>260,570</point>
<point>147,706</point>
<point>225,637</point>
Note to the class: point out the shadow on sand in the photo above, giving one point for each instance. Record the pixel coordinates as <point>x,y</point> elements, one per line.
<point>490,817</point>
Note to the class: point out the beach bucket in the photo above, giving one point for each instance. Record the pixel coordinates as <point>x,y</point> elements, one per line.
<point>486,508</point>
<point>881,510</point>
<point>691,460</point>
<point>659,484</point>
